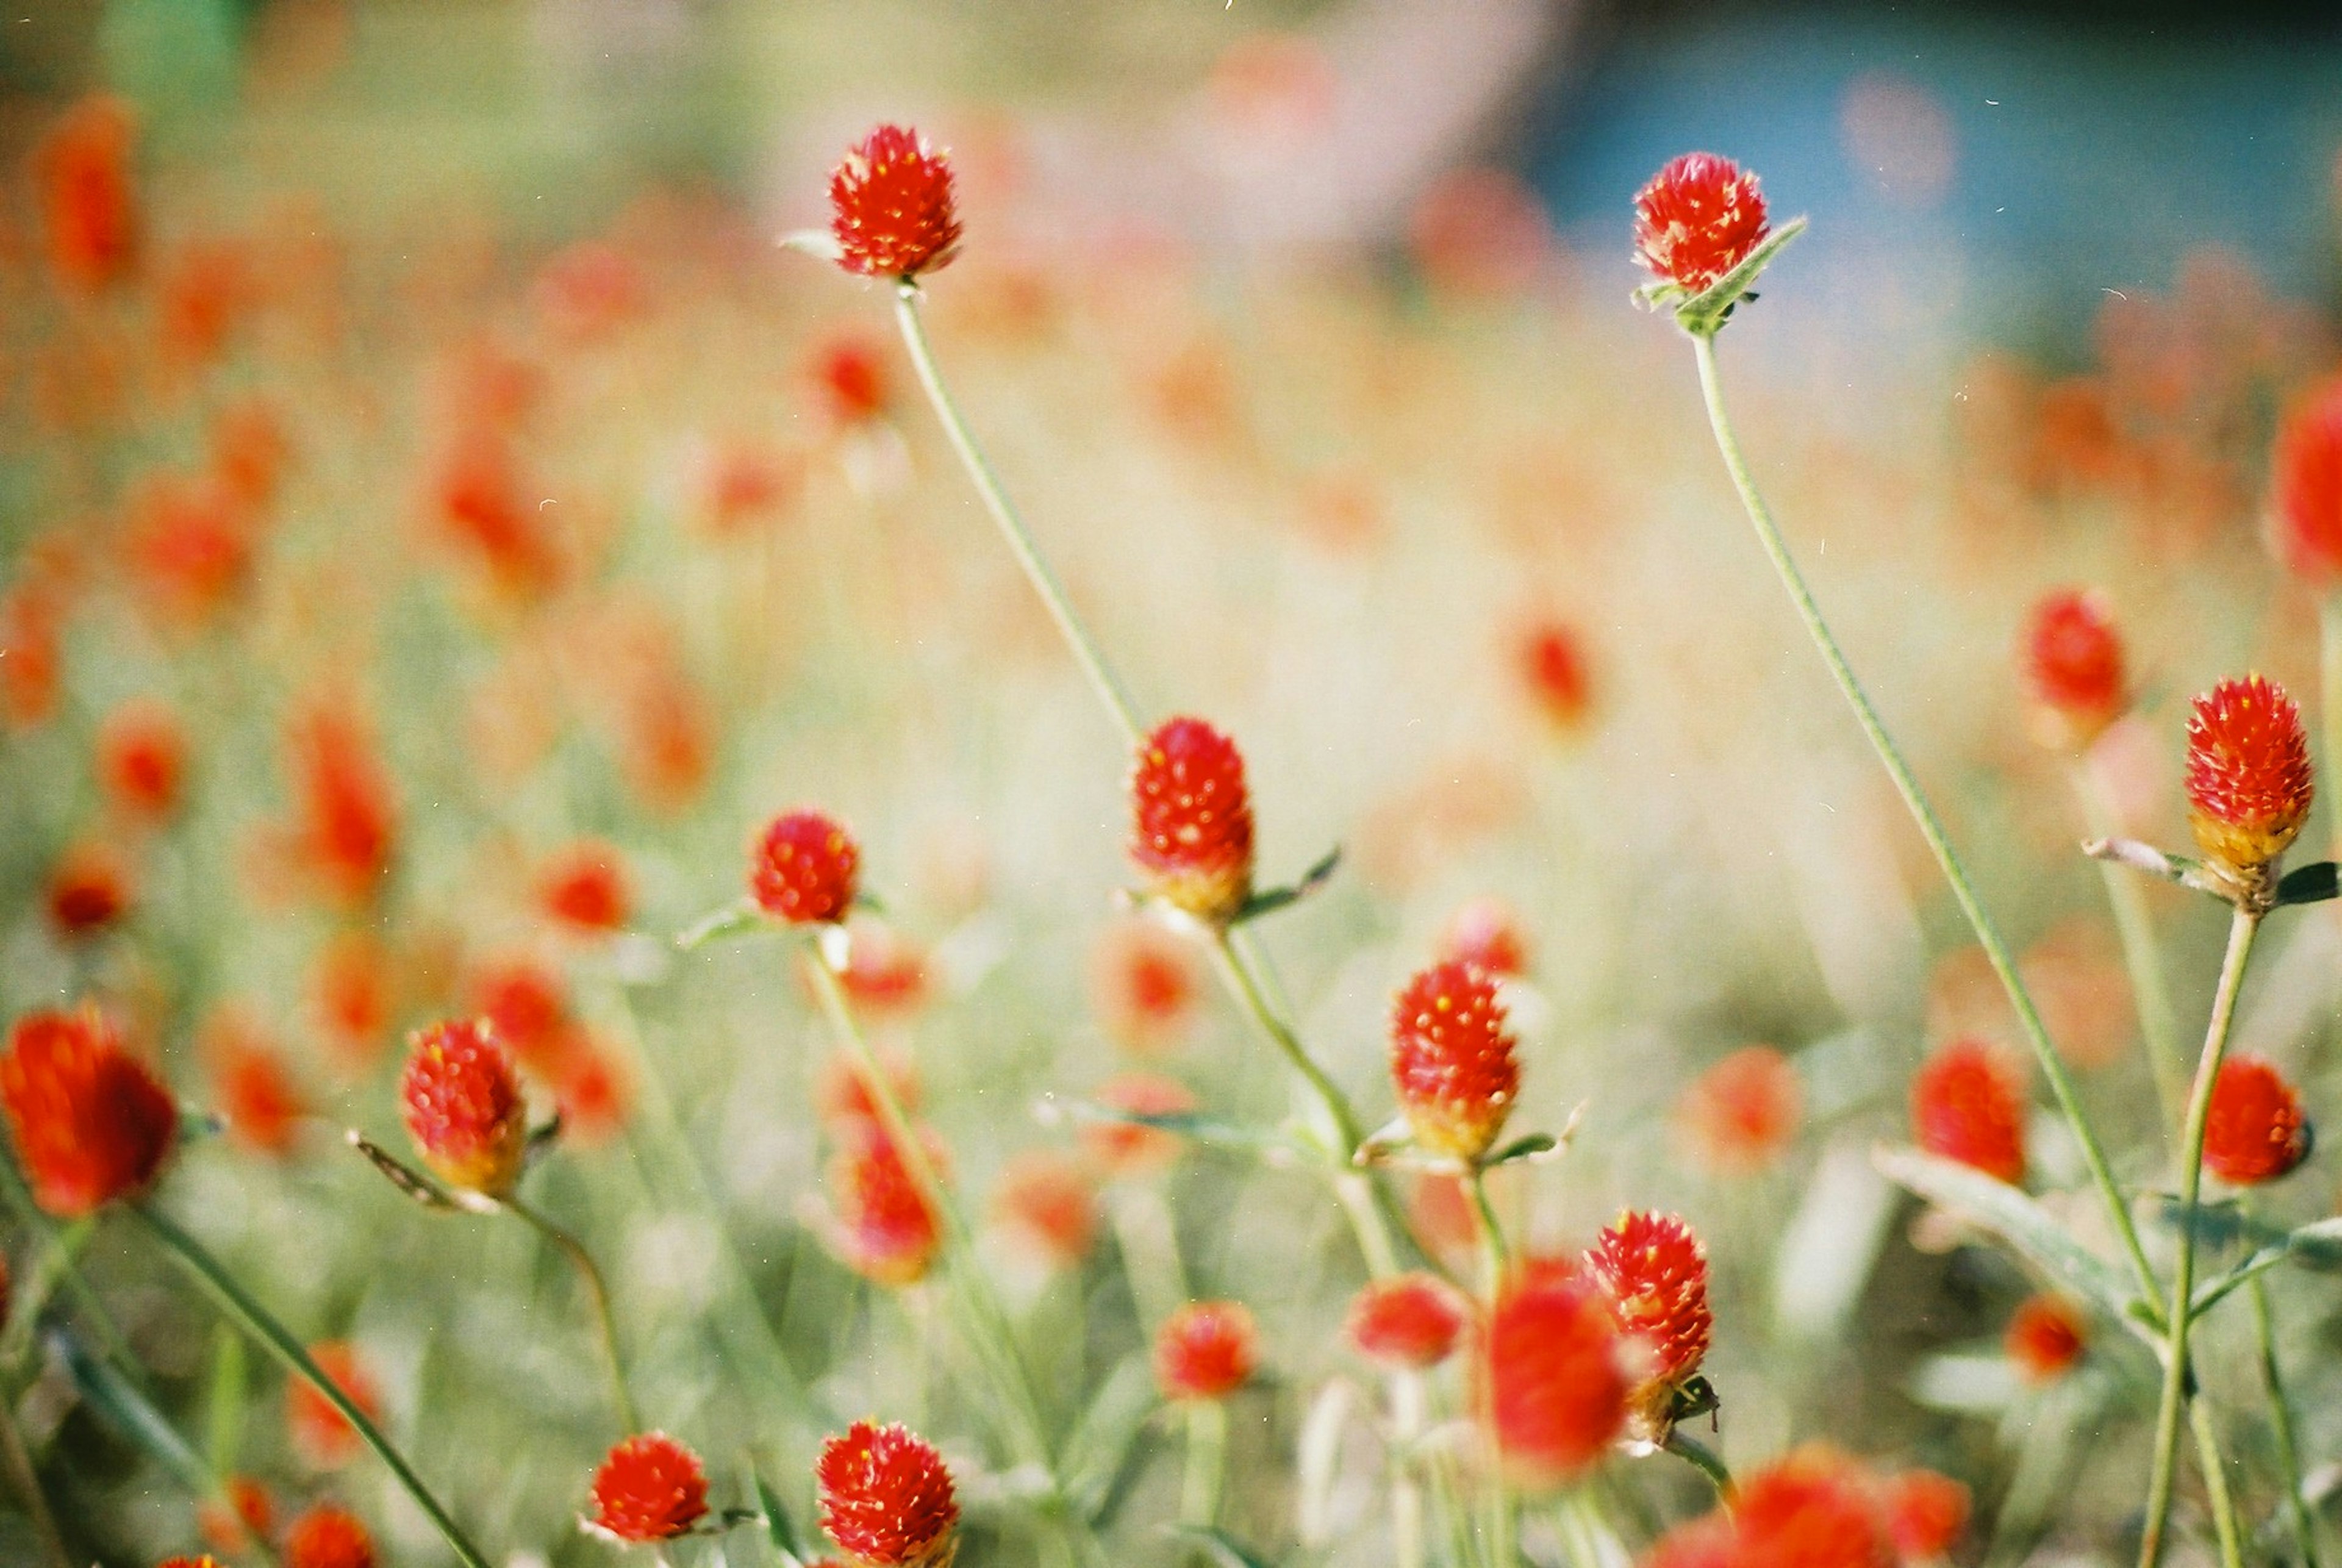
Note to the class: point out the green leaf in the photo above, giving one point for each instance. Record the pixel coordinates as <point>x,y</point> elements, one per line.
<point>2309,883</point>
<point>779,1528</point>
<point>1223,1548</point>
<point>131,1414</point>
<point>1097,1454</point>
<point>1269,899</point>
<point>1705,311</point>
<point>2318,1244</point>
<point>1525,1148</point>
<point>737,918</point>
<point>1194,1124</point>
<point>223,1408</point>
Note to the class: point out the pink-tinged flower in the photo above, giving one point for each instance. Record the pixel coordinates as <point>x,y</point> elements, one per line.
<point>88,203</point>
<point>464,1108</point>
<point>1451,1059</point>
<point>842,1093</point>
<point>1557,1388</point>
<point>802,871</point>
<point>887,1498</point>
<point>1926,1514</point>
<point>1205,1350</point>
<point>1192,820</point>
<point>1968,1104</point>
<point>1743,1112</point>
<point>2045,1337</point>
<point>2073,671</point>
<point>89,890</point>
<point>849,373</point>
<point>884,971</point>
<point>1132,1148</point>
<point>892,209</point>
<point>1655,1272</point>
<point>649,1488</point>
<point>2256,1131</point>
<point>328,1537</point>
<point>1551,658</point>
<point>2306,487</point>
<point>1411,1321</point>
<point>91,1124</point>
<point>1146,985</point>
<point>888,1229</point>
<point>1486,932</point>
<point>1697,219</point>
<point>1048,1202</point>
<point>2249,774</point>
<point>321,1433</point>
<point>142,760</point>
<point>584,887</point>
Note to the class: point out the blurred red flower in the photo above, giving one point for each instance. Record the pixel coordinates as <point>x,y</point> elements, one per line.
<point>322,1435</point>
<point>91,1124</point>
<point>1412,1320</point>
<point>2256,1131</point>
<point>1744,1111</point>
<point>1205,1350</point>
<point>89,206</point>
<point>1968,1104</point>
<point>1557,1389</point>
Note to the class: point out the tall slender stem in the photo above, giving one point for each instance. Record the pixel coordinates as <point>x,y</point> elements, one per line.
<point>599,1290</point>
<point>1207,1464</point>
<point>1247,987</point>
<point>2215,1465</point>
<point>257,1321</point>
<point>1907,784</point>
<point>2289,1449</point>
<point>27,1481</point>
<point>1495,1256</point>
<point>2242,928</point>
<point>2142,957</point>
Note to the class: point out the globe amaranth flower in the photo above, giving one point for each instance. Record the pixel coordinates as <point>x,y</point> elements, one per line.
<point>2046,1335</point>
<point>2249,774</point>
<point>1192,820</point>
<point>2306,487</point>
<point>1655,1272</point>
<point>888,1230</point>
<point>328,1536</point>
<point>1741,1114</point>
<point>1968,1104</point>
<point>1205,1350</point>
<point>1697,219</point>
<point>1411,1321</point>
<point>1926,1514</point>
<point>892,209</point>
<point>803,869</point>
<point>2255,1131</point>
<point>1047,1201</point>
<point>649,1488</point>
<point>1452,1059</point>
<point>887,1498</point>
<point>321,1433</point>
<point>91,1124</point>
<point>2074,668</point>
<point>462,1104</point>
<point>584,889</point>
<point>1558,1385</point>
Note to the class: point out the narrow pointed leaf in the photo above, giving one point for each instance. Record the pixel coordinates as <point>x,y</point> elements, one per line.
<point>131,1414</point>
<point>2008,1214</point>
<point>2309,883</point>
<point>735,919</point>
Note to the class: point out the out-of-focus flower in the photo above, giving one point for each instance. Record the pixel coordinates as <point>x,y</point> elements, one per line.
<point>353,994</point>
<point>2306,487</point>
<point>1049,1203</point>
<point>188,547</point>
<point>525,1004</point>
<point>1412,1320</point>
<point>1742,1113</point>
<point>243,1514</point>
<point>1655,1272</point>
<point>1558,1386</point>
<point>2045,1337</point>
<point>32,655</point>
<point>464,1108</point>
<point>1926,1514</point>
<point>477,504</point>
<point>204,291</point>
<point>1191,837</point>
<point>2073,658</point>
<point>848,373</point>
<point>1816,1508</point>
<point>89,204</point>
<point>888,1230</point>
<point>649,1488</point>
<point>1144,985</point>
<point>887,1498</point>
<point>89,890</point>
<point>1551,660</point>
<point>249,453</point>
<point>892,209</point>
<point>1131,1148</point>
<point>1451,1059</point>
<point>251,1085</point>
<point>1480,232</point>
<point>584,887</point>
<point>1205,1350</point>
<point>2249,773</point>
<point>1697,219</point>
<point>142,759</point>
<point>842,1094</point>
<point>2256,1131</point>
<point>328,1536</point>
<point>740,483</point>
<point>591,1090</point>
<point>346,821</point>
<point>884,973</point>
<point>1968,1104</point>
<point>322,1435</point>
<point>588,290</point>
<point>1486,933</point>
<point>91,1124</point>
<point>804,868</point>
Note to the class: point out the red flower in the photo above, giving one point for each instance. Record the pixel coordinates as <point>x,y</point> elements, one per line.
<point>883,972</point>
<point>346,823</point>
<point>891,206</point>
<point>1205,1350</point>
<point>87,201</point>
<point>1412,1321</point>
<point>89,890</point>
<point>353,994</point>
<point>1742,1113</point>
<point>887,1498</point>
<point>850,374</point>
<point>250,1082</point>
<point>328,1537</point>
<point>482,509</point>
<point>2045,1337</point>
<point>650,1488</point>
<point>522,1001</point>
<point>585,888</point>
<point>1130,1148</point>
<point>1486,933</point>
<point>1656,1273</point>
<point>1144,984</point>
<point>1697,219</point>
<point>1558,1393</point>
<point>2073,665</point>
<point>2256,1131</point>
<point>189,546</point>
<point>141,759</point>
<point>243,1514</point>
<point>1815,1509</point>
<point>1192,820</point>
<point>91,1124</point>
<point>2248,776</point>
<point>1552,662</point>
<point>1968,1104</point>
<point>463,1106</point>
<point>1047,1201</point>
<point>206,1561</point>
<point>321,1433</point>
<point>803,870</point>
<point>842,1093</point>
<point>1451,1059</point>
<point>2306,482</point>
<point>1925,1514</point>
<point>890,1231</point>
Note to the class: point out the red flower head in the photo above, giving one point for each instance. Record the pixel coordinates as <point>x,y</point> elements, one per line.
<point>244,1513</point>
<point>1557,1390</point>
<point>1451,1059</point>
<point>463,1106</point>
<point>584,887</point>
<point>206,1561</point>
<point>849,373</point>
<point>887,1498</point>
<point>1968,1104</point>
<point>346,825</point>
<point>89,890</point>
<point>1129,1148</point>
<point>1925,1514</point>
<point>1192,820</point>
<point>891,206</point>
<point>91,1124</point>
<point>842,1092</point>
<point>1697,219</point>
<point>889,1231</point>
<point>353,992</point>
<point>1144,984</point>
<point>2256,1131</point>
<point>328,1537</point>
<point>87,201</point>
<point>2045,1337</point>
<point>1818,1508</point>
<point>1049,1203</point>
<point>322,1435</point>
<point>1742,1113</point>
<point>1656,1273</point>
<point>650,1488</point>
<point>521,1001</point>
<point>2306,482</point>
<point>803,870</point>
<point>2073,666</point>
<point>1552,663</point>
<point>1205,1350</point>
<point>1412,1321</point>
<point>251,1085</point>
<point>1486,932</point>
<point>2248,778</point>
<point>884,971</point>
<point>141,759</point>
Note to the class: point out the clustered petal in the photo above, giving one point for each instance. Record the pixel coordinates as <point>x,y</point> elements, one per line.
<point>887,1498</point>
<point>328,1536</point>
<point>91,1124</point>
<point>1655,1272</point>
<point>1192,820</point>
<point>1411,1321</point>
<point>1558,1385</point>
<point>461,1099</point>
<point>892,207</point>
<point>2249,773</point>
<point>1697,219</point>
<point>649,1488</point>
<point>2255,1131</point>
<point>2073,665</point>
<point>803,869</point>
<point>889,1231</point>
<point>1819,1508</point>
<point>1968,1104</point>
<point>1451,1061</point>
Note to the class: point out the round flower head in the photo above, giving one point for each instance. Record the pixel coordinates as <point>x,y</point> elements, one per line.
<point>1655,1272</point>
<point>649,1488</point>
<point>2306,485</point>
<point>1192,820</point>
<point>1048,1202</point>
<point>1412,1321</point>
<point>1485,932</point>
<point>142,759</point>
<point>887,1498</point>
<point>803,870</point>
<point>1968,1104</point>
<point>2045,1337</point>
<point>1557,1390</point>
<point>584,889</point>
<point>1926,1514</point>
<point>2248,778</point>
<point>1451,1059</point>
<point>328,1537</point>
<point>1205,1350</point>
<point>1697,219</point>
<point>90,1123</point>
<point>891,206</point>
<point>321,1433</point>
<point>89,892</point>
<point>2074,668</point>
<point>2256,1131</point>
<point>464,1107</point>
<point>888,1230</point>
<point>1816,1508</point>
<point>1742,1113</point>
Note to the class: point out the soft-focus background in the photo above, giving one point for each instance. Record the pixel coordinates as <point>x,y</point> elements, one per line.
<point>453,468</point>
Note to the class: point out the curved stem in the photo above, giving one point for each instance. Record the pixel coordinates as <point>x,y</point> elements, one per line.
<point>261,1326</point>
<point>1344,1122</point>
<point>1907,784</point>
<point>1702,1458</point>
<point>2289,1450</point>
<point>2135,926</point>
<point>597,1288</point>
<point>2175,1375</point>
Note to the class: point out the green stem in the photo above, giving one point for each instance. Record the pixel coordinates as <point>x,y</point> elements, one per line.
<point>1907,784</point>
<point>257,1321</point>
<point>19,1459</point>
<point>2215,1485</point>
<point>1702,1458</point>
<point>599,1290</point>
<point>1495,1255</point>
<point>2242,929</point>
<point>1207,1464</point>
<point>1343,1122</point>
<point>2142,957</point>
<point>1408,1399</point>
<point>2281,1422</point>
